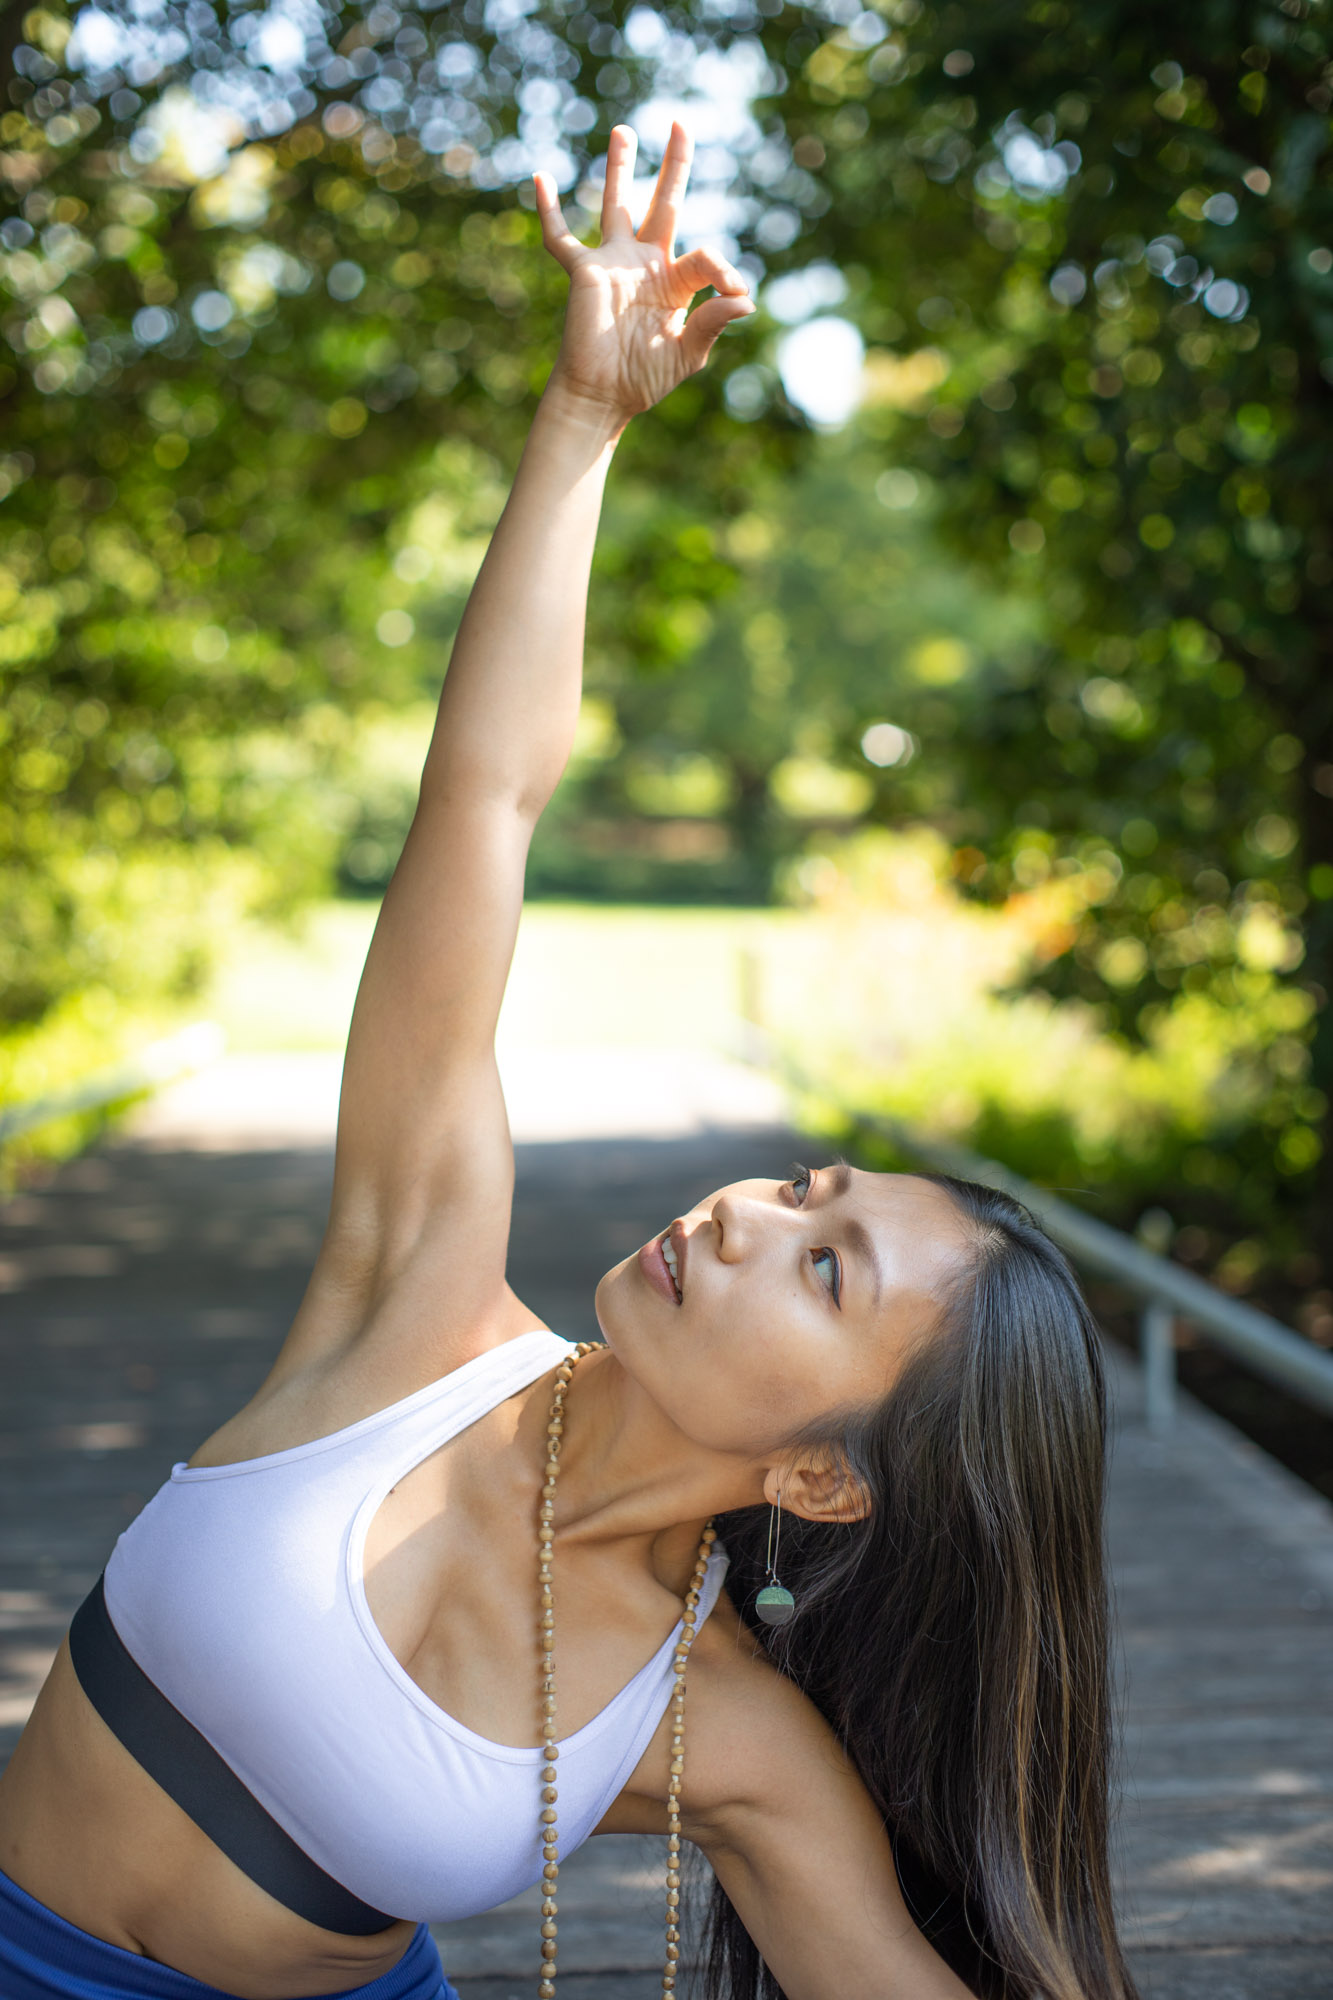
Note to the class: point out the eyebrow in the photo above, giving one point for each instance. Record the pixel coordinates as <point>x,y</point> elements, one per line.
<point>838,1180</point>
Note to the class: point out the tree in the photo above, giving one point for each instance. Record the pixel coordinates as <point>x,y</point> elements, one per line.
<point>267,291</point>
<point>256,325</point>
<point>1111,228</point>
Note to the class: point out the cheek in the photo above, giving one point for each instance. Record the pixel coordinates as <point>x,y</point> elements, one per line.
<point>767,1357</point>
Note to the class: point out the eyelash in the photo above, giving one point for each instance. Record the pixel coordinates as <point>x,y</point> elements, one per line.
<point>801,1179</point>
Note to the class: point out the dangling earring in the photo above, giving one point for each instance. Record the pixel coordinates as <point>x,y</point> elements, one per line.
<point>774,1604</point>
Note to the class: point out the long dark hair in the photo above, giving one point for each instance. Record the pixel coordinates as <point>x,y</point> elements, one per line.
<point>956,1638</point>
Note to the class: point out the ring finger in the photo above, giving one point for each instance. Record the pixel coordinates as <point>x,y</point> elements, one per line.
<point>620,154</point>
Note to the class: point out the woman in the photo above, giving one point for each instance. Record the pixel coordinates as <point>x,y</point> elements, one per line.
<point>299,1717</point>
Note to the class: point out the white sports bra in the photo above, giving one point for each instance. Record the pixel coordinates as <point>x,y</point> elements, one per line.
<point>239,1590</point>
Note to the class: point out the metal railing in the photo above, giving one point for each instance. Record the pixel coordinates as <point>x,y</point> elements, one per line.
<point>1167,1291</point>
<point>161,1062</point>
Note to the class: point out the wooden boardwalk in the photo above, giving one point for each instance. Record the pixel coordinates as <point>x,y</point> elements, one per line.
<point>143,1291</point>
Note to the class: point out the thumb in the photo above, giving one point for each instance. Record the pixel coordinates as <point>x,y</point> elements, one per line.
<point>706,322</point>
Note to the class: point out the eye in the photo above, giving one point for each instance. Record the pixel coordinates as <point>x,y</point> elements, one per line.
<point>800,1179</point>
<point>830,1271</point>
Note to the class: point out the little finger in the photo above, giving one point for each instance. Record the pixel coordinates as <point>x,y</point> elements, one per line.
<point>557,235</point>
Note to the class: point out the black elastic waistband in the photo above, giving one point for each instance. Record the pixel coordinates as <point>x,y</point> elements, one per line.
<point>202,1783</point>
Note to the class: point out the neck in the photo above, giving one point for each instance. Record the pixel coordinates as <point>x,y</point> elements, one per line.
<point>627,1473</point>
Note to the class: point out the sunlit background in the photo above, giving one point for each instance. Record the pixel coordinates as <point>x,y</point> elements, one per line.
<point>958,721</point>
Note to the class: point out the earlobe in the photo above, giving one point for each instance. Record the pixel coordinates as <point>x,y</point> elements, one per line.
<point>820,1493</point>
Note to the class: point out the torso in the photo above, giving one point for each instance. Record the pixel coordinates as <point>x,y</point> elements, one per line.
<point>87,1832</point>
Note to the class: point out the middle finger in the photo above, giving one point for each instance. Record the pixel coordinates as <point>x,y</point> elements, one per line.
<point>659,225</point>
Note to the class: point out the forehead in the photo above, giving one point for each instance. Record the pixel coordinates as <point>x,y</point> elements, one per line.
<point>918,1233</point>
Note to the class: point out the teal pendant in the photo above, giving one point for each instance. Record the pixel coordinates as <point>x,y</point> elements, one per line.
<point>775,1605</point>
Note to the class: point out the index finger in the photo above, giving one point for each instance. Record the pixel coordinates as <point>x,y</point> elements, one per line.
<point>659,225</point>
<point>620,153</point>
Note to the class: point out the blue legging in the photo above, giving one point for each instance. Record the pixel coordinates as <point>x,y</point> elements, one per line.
<point>44,1958</point>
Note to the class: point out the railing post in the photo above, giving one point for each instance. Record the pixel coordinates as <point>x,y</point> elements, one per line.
<point>1157,1353</point>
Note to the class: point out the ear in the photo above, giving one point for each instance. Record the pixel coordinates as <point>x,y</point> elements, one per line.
<point>819,1490</point>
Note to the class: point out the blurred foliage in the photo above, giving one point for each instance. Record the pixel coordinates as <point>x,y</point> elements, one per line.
<point>702,780</point>
<point>275,323</point>
<point>255,395</point>
<point>934,1019</point>
<point>1090,247</point>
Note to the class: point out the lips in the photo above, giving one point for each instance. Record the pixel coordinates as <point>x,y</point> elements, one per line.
<point>656,1269</point>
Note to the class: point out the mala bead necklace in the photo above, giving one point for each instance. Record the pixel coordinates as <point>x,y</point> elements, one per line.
<point>555,1430</point>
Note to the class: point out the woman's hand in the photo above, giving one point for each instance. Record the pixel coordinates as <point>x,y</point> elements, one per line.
<point>627,340</point>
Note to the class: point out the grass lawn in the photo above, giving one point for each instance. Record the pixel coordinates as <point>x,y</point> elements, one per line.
<point>583,974</point>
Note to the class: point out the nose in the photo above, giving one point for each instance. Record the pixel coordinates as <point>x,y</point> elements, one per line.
<point>738,1219</point>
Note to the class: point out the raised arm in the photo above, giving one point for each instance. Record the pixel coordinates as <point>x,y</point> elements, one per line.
<point>424,1165</point>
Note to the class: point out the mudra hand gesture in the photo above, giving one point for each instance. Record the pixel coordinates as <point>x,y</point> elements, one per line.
<point>629,335</point>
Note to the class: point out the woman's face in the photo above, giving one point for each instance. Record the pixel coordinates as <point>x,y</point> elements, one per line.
<point>789,1300</point>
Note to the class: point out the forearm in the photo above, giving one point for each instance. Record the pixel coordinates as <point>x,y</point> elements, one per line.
<point>511,696</point>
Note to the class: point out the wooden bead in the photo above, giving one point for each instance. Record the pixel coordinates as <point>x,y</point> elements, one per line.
<point>689,1624</point>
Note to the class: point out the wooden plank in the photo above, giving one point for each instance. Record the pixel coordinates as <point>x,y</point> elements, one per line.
<point>147,1288</point>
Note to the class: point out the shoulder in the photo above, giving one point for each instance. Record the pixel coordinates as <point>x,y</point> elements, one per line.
<point>751,1732</point>
<point>307,1397</point>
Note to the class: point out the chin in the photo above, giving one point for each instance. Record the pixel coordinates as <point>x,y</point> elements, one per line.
<point>625,1317</point>
<point>603,1302</point>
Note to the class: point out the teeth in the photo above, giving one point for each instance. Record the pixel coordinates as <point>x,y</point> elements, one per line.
<point>670,1257</point>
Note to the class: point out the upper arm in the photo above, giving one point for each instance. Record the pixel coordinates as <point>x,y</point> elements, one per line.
<point>797,1842</point>
<point>423,1179</point>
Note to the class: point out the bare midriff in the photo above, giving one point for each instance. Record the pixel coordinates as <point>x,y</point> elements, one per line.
<point>85,1830</point>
